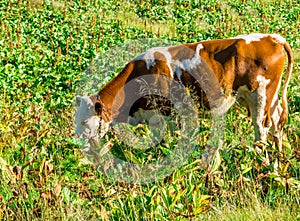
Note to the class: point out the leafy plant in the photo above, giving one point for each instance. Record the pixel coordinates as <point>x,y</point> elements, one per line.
<point>46,48</point>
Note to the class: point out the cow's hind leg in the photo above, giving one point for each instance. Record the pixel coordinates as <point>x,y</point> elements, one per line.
<point>276,128</point>
<point>258,118</point>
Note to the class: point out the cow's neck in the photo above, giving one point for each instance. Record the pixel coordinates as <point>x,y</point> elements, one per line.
<point>109,92</point>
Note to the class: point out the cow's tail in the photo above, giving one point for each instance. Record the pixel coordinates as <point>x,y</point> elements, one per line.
<point>285,111</point>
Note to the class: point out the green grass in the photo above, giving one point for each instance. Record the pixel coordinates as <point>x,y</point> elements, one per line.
<point>45,48</point>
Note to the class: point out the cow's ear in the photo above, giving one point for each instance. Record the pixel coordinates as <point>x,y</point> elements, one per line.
<point>98,108</point>
<point>78,101</point>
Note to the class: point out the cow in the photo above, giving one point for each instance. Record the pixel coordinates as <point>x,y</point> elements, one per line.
<point>246,69</point>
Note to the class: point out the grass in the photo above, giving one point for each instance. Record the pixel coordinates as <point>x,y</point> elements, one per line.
<point>46,48</point>
<point>255,209</point>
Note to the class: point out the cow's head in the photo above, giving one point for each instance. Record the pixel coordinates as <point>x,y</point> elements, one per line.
<point>90,122</point>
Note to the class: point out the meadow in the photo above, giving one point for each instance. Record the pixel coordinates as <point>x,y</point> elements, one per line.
<point>48,48</point>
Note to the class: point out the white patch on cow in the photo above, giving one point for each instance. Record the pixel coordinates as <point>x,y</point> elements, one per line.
<point>173,65</point>
<point>251,37</point>
<point>149,58</point>
<point>104,128</point>
<point>275,98</point>
<point>278,38</point>
<point>178,72</point>
<point>187,64</point>
<point>257,36</point>
<point>87,123</point>
<point>262,100</point>
<point>275,115</point>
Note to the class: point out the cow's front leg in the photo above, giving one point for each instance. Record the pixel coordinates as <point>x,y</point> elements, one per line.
<point>215,140</point>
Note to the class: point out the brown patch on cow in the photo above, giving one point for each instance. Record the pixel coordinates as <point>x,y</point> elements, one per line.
<point>223,68</point>
<point>158,56</point>
<point>100,109</point>
<point>97,105</point>
<point>160,66</point>
<point>195,89</point>
<point>225,55</point>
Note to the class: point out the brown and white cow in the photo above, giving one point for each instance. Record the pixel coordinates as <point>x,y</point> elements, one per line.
<point>247,69</point>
